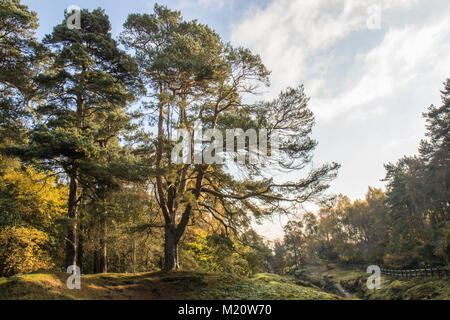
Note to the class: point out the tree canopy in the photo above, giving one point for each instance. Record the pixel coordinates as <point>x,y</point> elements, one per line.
<point>192,76</point>
<point>154,151</point>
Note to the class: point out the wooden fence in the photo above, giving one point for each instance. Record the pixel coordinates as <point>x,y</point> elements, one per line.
<point>441,272</point>
<point>417,273</point>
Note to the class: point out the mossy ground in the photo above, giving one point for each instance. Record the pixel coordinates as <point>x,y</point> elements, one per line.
<point>393,288</point>
<point>159,286</point>
<point>210,286</point>
<point>411,289</point>
<point>355,282</point>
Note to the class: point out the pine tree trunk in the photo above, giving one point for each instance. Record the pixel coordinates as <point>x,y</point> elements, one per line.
<point>170,250</point>
<point>71,245</point>
<point>95,265</point>
<point>80,246</point>
<point>103,248</point>
<point>134,254</point>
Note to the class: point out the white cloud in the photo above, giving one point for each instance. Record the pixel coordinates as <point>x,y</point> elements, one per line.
<point>368,88</point>
<point>404,57</point>
<point>398,142</point>
<point>305,41</point>
<point>217,4</point>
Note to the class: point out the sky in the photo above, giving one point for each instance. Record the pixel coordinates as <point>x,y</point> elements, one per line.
<point>370,67</point>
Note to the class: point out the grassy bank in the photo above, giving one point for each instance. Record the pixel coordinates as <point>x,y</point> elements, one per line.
<point>154,286</point>
<point>354,282</point>
<point>401,289</point>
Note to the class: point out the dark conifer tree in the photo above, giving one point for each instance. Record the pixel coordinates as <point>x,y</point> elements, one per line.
<point>88,85</point>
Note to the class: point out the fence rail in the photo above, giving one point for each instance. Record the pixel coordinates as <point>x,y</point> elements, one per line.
<point>441,272</point>
<point>417,273</point>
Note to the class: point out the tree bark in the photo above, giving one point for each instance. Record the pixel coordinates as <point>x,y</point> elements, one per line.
<point>134,254</point>
<point>170,249</point>
<point>103,249</point>
<point>71,244</point>
<point>80,247</point>
<point>95,264</point>
<point>72,236</point>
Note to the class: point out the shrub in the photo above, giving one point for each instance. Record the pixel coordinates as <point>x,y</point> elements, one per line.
<point>21,251</point>
<point>443,248</point>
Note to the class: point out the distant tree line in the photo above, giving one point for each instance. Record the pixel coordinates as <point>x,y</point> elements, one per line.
<point>406,226</point>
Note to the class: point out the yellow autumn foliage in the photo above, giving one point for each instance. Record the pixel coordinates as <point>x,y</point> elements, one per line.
<point>30,197</point>
<point>21,251</point>
<point>218,253</point>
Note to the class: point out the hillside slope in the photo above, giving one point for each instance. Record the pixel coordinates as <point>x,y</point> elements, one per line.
<point>159,286</point>
<point>354,282</point>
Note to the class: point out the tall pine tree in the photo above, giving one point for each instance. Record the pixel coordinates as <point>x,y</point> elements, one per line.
<point>19,58</point>
<point>193,76</point>
<point>86,90</point>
